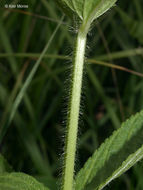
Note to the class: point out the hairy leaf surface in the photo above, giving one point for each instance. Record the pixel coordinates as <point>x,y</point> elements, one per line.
<point>119,152</point>
<point>19,181</point>
<point>87,10</point>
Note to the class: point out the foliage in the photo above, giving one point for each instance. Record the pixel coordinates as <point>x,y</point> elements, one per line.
<point>119,152</point>
<point>16,181</point>
<point>31,142</point>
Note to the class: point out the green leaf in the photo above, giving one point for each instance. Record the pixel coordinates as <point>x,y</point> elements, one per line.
<point>119,152</point>
<point>134,27</point>
<point>131,160</point>
<point>19,181</point>
<point>66,7</point>
<point>4,166</point>
<point>87,10</point>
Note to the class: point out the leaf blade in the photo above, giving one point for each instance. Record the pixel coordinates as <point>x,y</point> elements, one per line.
<point>88,10</point>
<point>111,154</point>
<point>19,181</point>
<point>132,159</point>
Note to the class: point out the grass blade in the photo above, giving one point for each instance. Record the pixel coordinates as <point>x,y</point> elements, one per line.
<point>27,83</point>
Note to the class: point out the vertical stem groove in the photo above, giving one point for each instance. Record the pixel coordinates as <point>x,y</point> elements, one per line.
<point>73,112</point>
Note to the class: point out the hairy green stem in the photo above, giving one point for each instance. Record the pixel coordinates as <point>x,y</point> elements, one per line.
<point>74,109</point>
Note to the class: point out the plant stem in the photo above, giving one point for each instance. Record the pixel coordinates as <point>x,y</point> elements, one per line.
<point>74,109</point>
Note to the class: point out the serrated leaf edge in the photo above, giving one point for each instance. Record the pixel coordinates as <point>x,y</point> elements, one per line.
<point>102,145</point>
<point>124,167</point>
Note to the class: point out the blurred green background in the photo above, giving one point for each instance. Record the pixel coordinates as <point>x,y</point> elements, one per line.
<point>112,90</point>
